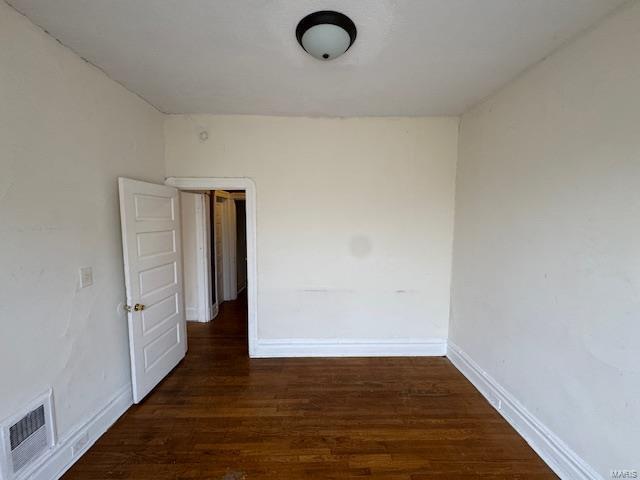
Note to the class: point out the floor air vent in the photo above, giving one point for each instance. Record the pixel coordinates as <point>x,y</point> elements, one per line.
<point>26,438</point>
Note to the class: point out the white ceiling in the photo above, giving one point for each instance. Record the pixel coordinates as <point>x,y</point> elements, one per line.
<point>411,57</point>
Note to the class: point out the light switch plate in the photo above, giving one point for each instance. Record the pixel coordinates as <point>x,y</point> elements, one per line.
<point>86,277</point>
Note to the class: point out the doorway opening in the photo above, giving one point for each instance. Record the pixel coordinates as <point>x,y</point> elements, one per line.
<point>218,244</point>
<point>214,250</point>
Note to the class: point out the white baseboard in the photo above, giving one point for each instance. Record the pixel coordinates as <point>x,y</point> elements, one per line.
<point>562,460</point>
<point>63,454</point>
<point>192,314</point>
<point>268,348</point>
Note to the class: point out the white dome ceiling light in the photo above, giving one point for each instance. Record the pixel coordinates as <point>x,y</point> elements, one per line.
<point>326,35</point>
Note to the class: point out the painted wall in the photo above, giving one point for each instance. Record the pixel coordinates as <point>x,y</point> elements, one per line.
<point>546,278</point>
<point>354,218</point>
<point>66,133</point>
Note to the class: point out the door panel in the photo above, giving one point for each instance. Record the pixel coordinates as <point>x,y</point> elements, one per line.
<point>156,243</point>
<point>150,218</point>
<point>159,314</point>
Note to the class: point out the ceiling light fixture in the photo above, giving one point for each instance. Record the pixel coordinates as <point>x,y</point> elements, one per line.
<point>326,35</point>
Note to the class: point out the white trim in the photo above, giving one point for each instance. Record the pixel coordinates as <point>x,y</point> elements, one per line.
<point>214,273</point>
<point>62,456</point>
<point>562,460</point>
<point>347,347</point>
<point>196,205</point>
<point>213,299</point>
<point>228,234</point>
<point>192,314</point>
<point>249,187</point>
<point>203,258</point>
<point>231,283</point>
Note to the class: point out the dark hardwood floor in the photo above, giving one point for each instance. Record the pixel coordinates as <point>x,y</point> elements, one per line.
<point>220,415</point>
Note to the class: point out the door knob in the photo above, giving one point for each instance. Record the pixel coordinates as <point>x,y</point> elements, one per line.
<point>136,308</point>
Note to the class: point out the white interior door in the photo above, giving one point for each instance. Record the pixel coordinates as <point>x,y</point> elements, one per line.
<point>150,216</point>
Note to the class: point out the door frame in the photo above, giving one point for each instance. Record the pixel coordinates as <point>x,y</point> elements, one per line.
<point>207,308</point>
<point>240,197</point>
<point>229,251</point>
<point>249,186</point>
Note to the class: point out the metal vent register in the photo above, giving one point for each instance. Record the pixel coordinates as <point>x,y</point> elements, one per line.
<point>28,438</point>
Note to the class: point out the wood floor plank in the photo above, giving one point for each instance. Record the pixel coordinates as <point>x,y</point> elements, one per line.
<point>221,415</point>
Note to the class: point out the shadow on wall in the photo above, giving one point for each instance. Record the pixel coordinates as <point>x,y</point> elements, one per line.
<point>360,246</point>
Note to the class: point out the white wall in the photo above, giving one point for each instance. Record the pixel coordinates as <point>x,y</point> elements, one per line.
<point>546,279</point>
<point>354,218</point>
<point>66,133</point>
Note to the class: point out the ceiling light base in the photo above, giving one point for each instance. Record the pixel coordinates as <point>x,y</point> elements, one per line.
<point>326,34</point>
